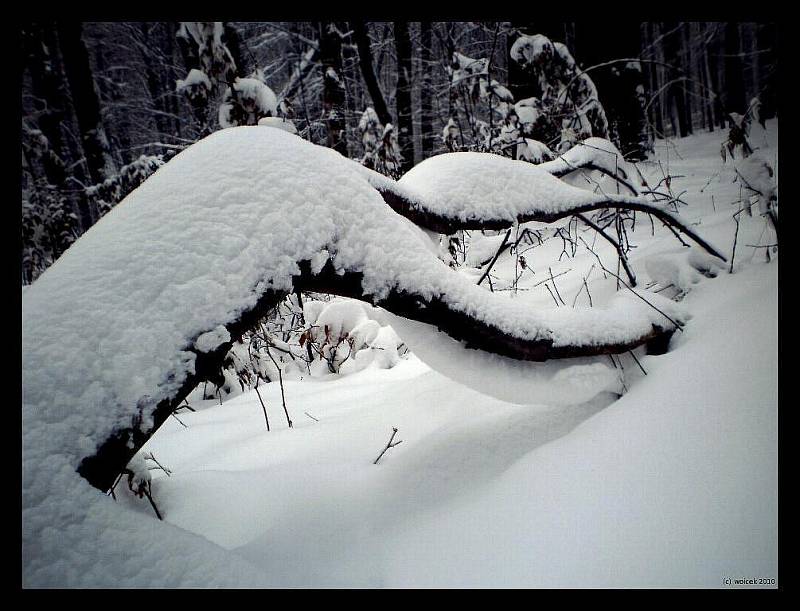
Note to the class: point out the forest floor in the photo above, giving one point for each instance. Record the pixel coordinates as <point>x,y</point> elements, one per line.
<point>673,484</point>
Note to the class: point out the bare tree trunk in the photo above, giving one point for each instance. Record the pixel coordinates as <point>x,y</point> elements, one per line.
<point>689,68</point>
<point>84,98</point>
<point>426,91</point>
<point>405,121</point>
<point>333,92</point>
<point>361,35</point>
<point>234,43</point>
<point>734,71</point>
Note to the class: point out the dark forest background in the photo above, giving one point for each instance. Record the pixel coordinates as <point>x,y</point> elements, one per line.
<point>105,104</point>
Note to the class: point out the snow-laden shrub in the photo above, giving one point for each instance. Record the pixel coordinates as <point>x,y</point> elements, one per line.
<point>346,336</point>
<point>534,151</point>
<point>216,61</point>
<point>248,101</point>
<point>568,109</point>
<point>196,86</point>
<point>322,337</point>
<point>755,165</point>
<point>381,150</point>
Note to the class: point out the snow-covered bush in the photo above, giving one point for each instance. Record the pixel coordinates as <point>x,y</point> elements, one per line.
<point>216,61</point>
<point>48,229</point>
<point>196,86</point>
<point>346,336</point>
<point>566,111</point>
<point>381,150</point>
<point>755,165</point>
<point>247,102</point>
<point>568,108</point>
<point>324,336</point>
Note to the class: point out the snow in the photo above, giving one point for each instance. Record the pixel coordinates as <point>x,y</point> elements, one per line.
<point>279,123</point>
<point>531,49</point>
<point>528,110</point>
<point>674,484</point>
<point>534,151</point>
<point>194,79</point>
<point>368,117</point>
<point>209,341</point>
<point>469,185</point>
<point>603,153</point>
<point>681,269</point>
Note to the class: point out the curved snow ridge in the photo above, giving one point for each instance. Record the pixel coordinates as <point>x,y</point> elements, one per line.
<point>470,186</point>
<point>113,323</point>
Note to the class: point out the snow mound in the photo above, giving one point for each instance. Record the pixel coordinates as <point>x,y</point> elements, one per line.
<point>193,248</point>
<point>683,269</point>
<point>279,123</point>
<point>472,186</point>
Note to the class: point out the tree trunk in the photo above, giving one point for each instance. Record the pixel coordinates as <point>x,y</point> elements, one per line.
<point>405,120</point>
<point>428,137</point>
<point>48,89</point>
<point>84,98</point>
<point>361,35</point>
<point>234,43</point>
<point>333,93</point>
<point>734,71</point>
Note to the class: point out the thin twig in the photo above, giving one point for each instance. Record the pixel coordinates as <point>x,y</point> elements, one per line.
<point>551,295</point>
<point>735,238</point>
<point>388,445</point>
<point>264,407</point>
<point>280,380</point>
<point>149,496</point>
<point>152,457</point>
<point>553,282</point>
<point>625,284</point>
<point>637,361</point>
<point>622,257</point>
<point>496,256</point>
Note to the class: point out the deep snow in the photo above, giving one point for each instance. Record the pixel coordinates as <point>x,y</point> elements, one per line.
<point>674,484</point>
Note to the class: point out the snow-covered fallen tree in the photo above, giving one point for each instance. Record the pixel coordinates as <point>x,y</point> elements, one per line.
<point>149,301</point>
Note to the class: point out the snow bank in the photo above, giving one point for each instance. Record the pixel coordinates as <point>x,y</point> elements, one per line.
<point>674,485</point>
<point>191,249</point>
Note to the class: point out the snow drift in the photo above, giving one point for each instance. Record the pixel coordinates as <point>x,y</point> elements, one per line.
<point>109,329</point>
